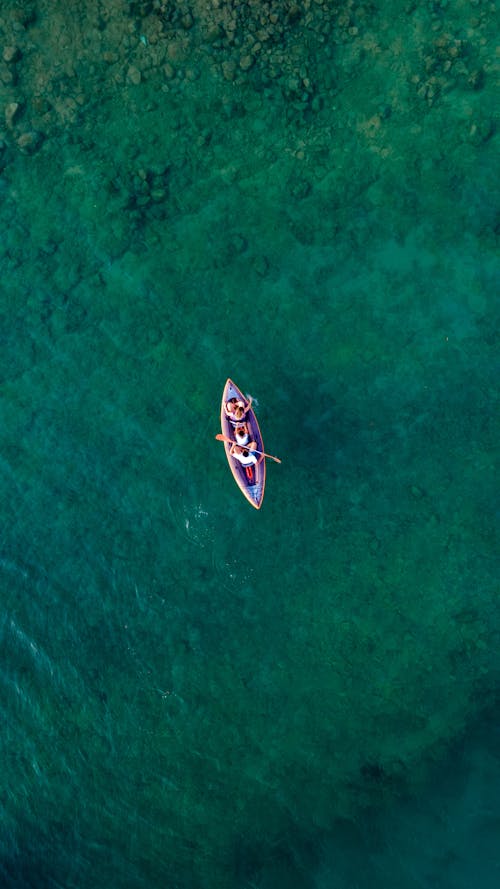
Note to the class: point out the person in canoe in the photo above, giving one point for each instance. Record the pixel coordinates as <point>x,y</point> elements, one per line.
<point>236,409</point>
<point>246,455</point>
<point>242,434</point>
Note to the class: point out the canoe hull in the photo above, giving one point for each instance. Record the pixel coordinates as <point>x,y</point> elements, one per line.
<point>252,489</point>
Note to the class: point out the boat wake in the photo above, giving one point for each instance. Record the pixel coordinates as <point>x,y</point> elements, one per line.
<point>196,524</point>
<point>192,521</point>
<point>232,574</point>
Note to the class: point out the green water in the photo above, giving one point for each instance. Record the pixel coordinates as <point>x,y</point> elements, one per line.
<point>194,694</point>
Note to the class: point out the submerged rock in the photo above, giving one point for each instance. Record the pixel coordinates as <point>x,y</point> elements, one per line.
<point>134,75</point>
<point>12,113</point>
<point>11,54</point>
<point>29,142</point>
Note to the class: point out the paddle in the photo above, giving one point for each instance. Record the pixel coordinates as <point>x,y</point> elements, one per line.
<point>221,437</point>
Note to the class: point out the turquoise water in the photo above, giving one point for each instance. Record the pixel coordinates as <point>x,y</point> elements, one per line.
<point>194,693</point>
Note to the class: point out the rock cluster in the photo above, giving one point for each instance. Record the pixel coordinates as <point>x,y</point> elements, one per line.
<point>54,60</point>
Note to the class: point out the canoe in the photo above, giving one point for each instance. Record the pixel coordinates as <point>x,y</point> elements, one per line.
<point>252,482</point>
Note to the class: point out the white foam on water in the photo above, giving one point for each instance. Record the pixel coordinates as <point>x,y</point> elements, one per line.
<point>193,522</point>
<point>255,401</point>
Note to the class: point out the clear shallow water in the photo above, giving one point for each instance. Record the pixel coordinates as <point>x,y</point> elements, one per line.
<point>196,694</point>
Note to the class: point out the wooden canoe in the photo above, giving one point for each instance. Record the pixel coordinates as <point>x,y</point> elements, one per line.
<point>251,483</point>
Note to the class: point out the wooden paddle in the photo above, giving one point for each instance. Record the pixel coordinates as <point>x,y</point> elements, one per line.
<point>221,437</point>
